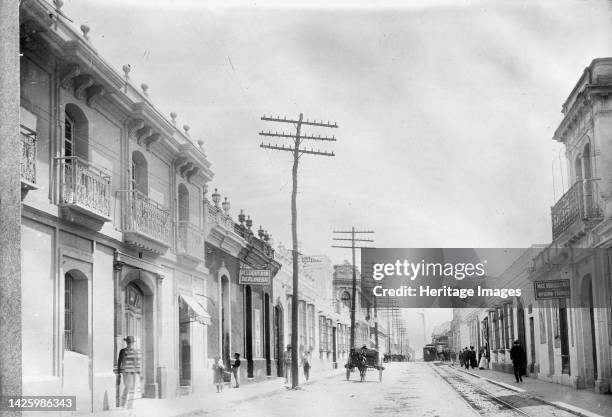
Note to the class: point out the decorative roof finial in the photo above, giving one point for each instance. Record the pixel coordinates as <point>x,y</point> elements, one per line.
<point>145,89</point>
<point>201,143</point>
<point>186,128</point>
<point>85,29</point>
<point>58,4</point>
<point>173,117</point>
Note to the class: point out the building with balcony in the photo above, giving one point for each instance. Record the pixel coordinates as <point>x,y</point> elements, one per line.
<point>321,328</point>
<point>112,224</point>
<point>243,268</point>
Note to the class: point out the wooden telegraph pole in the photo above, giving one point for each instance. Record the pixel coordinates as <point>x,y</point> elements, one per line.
<point>353,239</point>
<point>297,151</point>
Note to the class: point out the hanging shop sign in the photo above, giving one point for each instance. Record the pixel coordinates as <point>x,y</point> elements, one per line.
<point>551,289</point>
<point>255,276</point>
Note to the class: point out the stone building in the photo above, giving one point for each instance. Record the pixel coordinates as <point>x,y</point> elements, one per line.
<point>112,221</point>
<point>567,336</point>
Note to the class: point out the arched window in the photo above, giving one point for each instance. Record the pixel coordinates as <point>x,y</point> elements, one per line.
<point>346,299</point>
<point>183,203</point>
<point>76,132</point>
<point>140,176</point>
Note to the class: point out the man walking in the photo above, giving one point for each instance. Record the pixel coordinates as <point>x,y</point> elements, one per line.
<point>128,365</point>
<point>517,355</point>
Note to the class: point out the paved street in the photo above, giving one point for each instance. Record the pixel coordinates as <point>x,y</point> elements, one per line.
<point>414,389</point>
<point>406,389</point>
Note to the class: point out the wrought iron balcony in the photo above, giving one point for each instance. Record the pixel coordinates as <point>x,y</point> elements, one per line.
<point>190,241</point>
<point>28,158</point>
<point>146,223</point>
<point>579,205</point>
<point>85,190</point>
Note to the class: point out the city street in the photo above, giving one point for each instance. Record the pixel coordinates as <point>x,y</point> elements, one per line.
<point>406,389</point>
<point>415,389</point>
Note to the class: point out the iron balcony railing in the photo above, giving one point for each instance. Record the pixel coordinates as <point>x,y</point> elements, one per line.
<point>579,203</point>
<point>145,216</point>
<point>28,155</point>
<point>190,240</point>
<point>85,186</point>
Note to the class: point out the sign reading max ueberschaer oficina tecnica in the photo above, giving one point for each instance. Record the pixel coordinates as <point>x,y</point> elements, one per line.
<point>254,276</point>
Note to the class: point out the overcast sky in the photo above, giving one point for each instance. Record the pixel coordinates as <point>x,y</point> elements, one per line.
<point>446,109</point>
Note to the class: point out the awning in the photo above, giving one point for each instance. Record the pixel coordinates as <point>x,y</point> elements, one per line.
<point>196,310</point>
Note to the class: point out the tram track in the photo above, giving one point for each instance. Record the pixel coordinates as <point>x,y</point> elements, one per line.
<point>488,399</point>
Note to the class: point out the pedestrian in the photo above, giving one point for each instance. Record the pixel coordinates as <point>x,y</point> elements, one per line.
<point>473,361</point>
<point>128,366</point>
<point>218,370</point>
<point>306,364</point>
<point>517,355</point>
<point>466,357</point>
<point>287,361</point>
<point>483,363</point>
<point>236,369</point>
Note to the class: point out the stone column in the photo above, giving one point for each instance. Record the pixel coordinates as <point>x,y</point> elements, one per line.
<point>10,204</point>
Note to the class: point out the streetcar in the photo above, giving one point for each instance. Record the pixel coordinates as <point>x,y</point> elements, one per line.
<point>430,353</point>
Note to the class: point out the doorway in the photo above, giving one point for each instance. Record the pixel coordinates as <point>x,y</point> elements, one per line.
<point>134,326</point>
<point>278,339</point>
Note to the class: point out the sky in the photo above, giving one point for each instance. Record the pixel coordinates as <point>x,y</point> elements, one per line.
<point>446,109</point>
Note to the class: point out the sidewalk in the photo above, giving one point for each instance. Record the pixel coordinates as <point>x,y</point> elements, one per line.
<point>584,402</point>
<point>210,401</point>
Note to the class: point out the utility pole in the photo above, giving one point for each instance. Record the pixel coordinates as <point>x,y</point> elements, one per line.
<point>297,151</point>
<point>353,239</point>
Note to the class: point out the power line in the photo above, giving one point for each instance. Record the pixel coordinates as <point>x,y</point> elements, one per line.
<point>297,151</point>
<point>354,239</point>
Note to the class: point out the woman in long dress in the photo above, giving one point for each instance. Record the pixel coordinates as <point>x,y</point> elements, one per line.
<point>484,362</point>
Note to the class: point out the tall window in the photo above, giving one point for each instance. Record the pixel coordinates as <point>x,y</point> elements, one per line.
<point>68,313</point>
<point>322,333</point>
<point>68,136</point>
<point>76,337</point>
<point>330,335</point>
<point>311,327</point>
<point>302,325</point>
<point>183,203</point>
<point>289,321</point>
<point>139,179</point>
<point>509,325</point>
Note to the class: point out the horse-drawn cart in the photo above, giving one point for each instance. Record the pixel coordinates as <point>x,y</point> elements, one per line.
<point>363,359</point>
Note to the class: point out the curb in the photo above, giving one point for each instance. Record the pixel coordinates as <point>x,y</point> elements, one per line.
<point>270,393</point>
<point>563,406</point>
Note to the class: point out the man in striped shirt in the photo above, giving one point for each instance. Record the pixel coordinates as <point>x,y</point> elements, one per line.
<point>128,365</point>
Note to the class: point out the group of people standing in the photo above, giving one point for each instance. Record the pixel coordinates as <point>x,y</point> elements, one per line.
<point>468,358</point>
<point>304,363</point>
<point>219,371</point>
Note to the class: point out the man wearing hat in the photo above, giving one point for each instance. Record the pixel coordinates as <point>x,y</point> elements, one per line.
<point>128,365</point>
<point>519,360</point>
<point>236,368</point>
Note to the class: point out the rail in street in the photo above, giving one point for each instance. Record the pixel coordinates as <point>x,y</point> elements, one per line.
<point>489,399</point>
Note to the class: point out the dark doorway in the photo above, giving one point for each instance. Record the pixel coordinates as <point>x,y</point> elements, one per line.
<point>334,346</point>
<point>225,321</point>
<point>267,335</point>
<point>184,347</point>
<point>248,306</point>
<point>278,339</point>
<point>565,356</point>
<point>532,344</point>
